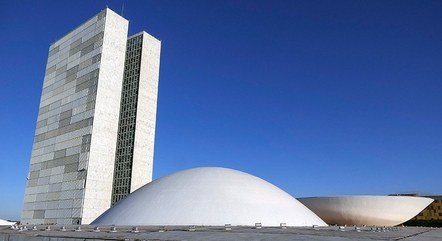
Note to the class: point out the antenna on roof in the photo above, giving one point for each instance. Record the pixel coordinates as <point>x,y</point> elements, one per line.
<point>122,9</point>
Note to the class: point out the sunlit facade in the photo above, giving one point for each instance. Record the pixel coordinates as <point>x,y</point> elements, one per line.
<point>95,129</point>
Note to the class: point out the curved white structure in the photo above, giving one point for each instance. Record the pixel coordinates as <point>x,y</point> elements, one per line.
<point>366,210</point>
<point>5,223</point>
<point>209,196</point>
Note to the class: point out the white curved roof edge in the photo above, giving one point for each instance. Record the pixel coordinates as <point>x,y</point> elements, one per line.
<point>6,223</point>
<point>367,210</point>
<point>361,195</point>
<point>210,196</point>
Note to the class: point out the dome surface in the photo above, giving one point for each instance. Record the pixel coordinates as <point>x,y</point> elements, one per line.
<point>209,196</point>
<point>366,210</point>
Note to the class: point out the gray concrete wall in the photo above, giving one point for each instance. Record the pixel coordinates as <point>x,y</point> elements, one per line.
<point>146,112</point>
<point>100,169</point>
<point>79,101</point>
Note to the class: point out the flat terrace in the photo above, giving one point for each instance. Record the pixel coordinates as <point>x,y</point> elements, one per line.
<point>200,233</point>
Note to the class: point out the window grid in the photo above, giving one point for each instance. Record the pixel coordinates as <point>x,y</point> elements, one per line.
<point>127,121</point>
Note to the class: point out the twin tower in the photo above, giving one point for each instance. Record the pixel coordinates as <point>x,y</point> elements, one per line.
<point>95,132</point>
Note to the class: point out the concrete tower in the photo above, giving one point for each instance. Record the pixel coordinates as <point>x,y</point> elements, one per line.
<point>136,130</point>
<point>96,119</point>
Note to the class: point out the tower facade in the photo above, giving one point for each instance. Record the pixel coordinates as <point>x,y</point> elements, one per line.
<point>136,130</point>
<point>80,133</point>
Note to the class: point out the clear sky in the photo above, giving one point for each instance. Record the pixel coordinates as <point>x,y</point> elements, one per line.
<point>317,97</point>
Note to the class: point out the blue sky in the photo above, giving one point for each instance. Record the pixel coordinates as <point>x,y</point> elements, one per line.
<point>317,97</point>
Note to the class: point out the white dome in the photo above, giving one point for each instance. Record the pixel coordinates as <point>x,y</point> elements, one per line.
<point>209,196</point>
<point>366,210</point>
